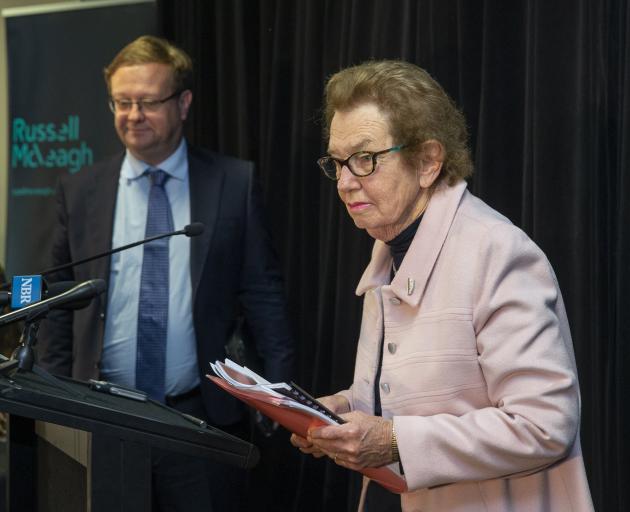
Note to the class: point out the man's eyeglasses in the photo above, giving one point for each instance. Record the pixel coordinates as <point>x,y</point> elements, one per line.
<point>361,163</point>
<point>124,105</point>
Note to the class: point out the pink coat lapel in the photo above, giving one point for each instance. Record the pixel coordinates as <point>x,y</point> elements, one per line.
<point>411,279</point>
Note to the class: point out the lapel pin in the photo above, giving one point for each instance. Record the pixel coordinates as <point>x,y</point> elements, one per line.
<point>411,284</point>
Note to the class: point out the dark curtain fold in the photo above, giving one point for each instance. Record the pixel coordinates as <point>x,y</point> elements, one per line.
<point>545,87</point>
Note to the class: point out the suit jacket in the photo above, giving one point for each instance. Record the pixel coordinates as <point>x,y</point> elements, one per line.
<point>232,264</point>
<point>478,371</point>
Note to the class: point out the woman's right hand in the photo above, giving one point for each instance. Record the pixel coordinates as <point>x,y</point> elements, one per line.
<point>337,404</point>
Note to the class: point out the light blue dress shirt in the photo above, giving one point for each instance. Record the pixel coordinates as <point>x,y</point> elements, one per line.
<point>118,363</point>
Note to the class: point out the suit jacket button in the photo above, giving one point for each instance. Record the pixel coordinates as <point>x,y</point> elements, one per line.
<point>385,387</point>
<point>391,347</point>
<point>395,301</point>
<point>102,316</point>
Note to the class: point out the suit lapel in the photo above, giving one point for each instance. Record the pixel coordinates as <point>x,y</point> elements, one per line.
<point>101,197</point>
<point>206,183</point>
<point>101,202</point>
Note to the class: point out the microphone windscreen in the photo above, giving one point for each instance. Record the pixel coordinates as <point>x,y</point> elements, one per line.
<point>194,229</point>
<point>60,287</point>
<point>89,289</point>
<point>99,285</point>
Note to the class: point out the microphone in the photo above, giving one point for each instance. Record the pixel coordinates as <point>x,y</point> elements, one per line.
<point>193,229</point>
<point>53,290</point>
<point>82,292</point>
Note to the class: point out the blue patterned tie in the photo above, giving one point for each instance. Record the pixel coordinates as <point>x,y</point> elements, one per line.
<point>153,304</point>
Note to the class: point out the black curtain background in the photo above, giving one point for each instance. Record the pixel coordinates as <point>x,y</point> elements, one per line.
<point>545,87</point>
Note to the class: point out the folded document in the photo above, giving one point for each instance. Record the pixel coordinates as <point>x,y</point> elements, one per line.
<point>291,407</point>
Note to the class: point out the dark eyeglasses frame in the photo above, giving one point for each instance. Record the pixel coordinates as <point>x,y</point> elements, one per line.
<point>142,103</point>
<point>374,154</point>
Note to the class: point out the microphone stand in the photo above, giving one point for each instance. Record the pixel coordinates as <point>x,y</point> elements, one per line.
<point>24,353</point>
<point>23,358</point>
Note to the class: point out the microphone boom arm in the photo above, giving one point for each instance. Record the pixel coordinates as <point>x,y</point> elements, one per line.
<point>111,251</point>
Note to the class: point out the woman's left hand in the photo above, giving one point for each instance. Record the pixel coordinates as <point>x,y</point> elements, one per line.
<point>364,441</point>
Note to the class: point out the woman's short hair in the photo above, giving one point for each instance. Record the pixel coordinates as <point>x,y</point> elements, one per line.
<point>417,108</point>
<point>151,49</point>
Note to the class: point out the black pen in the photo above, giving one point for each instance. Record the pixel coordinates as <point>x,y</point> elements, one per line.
<point>113,389</point>
<point>192,419</point>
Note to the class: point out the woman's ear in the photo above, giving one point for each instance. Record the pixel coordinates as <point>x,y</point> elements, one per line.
<point>431,163</point>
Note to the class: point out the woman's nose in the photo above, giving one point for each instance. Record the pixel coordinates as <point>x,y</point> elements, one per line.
<point>347,180</point>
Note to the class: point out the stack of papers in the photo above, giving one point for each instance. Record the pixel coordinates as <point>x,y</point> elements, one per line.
<point>291,407</point>
<point>280,394</point>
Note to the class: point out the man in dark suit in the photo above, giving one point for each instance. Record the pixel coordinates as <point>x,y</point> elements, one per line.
<point>170,306</point>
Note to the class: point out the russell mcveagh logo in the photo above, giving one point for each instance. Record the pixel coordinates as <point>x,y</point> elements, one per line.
<point>49,145</point>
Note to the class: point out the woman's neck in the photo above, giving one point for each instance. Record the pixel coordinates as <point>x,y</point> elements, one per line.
<point>387,233</point>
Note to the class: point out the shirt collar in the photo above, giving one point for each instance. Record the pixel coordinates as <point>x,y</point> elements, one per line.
<point>174,165</point>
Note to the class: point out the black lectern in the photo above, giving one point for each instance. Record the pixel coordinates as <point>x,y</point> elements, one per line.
<point>123,433</point>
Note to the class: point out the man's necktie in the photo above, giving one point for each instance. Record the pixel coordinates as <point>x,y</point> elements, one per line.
<point>153,304</point>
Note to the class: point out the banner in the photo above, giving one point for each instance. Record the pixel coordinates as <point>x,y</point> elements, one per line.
<point>59,119</point>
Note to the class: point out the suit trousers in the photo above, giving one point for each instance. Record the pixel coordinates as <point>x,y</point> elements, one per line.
<point>183,483</point>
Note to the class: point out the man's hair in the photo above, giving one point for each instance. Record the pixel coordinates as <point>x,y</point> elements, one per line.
<point>416,107</point>
<point>151,49</point>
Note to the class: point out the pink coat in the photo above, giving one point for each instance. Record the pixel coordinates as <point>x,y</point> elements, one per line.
<point>478,366</point>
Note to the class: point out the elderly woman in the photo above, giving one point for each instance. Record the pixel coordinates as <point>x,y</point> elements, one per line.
<point>465,378</point>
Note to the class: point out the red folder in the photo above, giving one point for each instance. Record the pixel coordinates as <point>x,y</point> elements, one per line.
<point>298,422</point>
